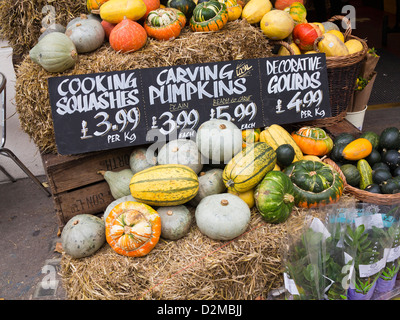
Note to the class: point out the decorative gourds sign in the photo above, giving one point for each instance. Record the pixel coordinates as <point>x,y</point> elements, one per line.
<point>100,111</point>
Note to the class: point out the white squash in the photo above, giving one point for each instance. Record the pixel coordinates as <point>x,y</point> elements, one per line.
<point>181,151</point>
<point>219,140</point>
<point>222,216</point>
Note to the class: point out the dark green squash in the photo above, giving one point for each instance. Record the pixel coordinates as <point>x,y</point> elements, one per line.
<point>374,188</point>
<point>391,158</point>
<point>371,137</point>
<point>390,187</point>
<point>380,175</point>
<point>390,138</point>
<point>185,6</point>
<point>337,152</point>
<point>274,197</point>
<point>351,174</point>
<point>374,157</point>
<point>396,172</point>
<point>343,138</point>
<point>285,155</point>
<point>315,183</point>
<point>380,165</point>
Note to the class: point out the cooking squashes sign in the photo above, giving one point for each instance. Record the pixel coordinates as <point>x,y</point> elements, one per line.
<point>99,111</point>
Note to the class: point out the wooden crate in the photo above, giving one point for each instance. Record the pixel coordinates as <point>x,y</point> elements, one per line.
<point>76,185</point>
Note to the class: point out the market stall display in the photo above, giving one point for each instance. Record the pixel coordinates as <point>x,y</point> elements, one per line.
<point>178,207</point>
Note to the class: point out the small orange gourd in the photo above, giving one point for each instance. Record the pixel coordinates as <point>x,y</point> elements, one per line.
<point>357,149</point>
<point>127,36</point>
<point>133,229</point>
<point>313,141</point>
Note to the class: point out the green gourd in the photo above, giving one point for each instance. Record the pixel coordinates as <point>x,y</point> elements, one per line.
<point>83,235</point>
<point>55,52</point>
<point>118,182</point>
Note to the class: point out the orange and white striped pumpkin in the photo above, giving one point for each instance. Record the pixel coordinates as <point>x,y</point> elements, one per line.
<point>133,229</point>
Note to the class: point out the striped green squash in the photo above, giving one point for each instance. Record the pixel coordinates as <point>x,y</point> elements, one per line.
<point>248,168</point>
<point>365,171</point>
<point>164,185</point>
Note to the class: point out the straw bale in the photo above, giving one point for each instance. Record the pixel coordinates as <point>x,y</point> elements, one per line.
<point>237,40</point>
<point>21,20</point>
<point>192,268</point>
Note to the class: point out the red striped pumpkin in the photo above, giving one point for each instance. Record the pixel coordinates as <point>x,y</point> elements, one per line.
<point>305,34</point>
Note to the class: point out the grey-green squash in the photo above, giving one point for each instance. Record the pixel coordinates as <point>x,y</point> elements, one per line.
<point>141,158</point>
<point>87,35</point>
<point>55,27</point>
<point>222,216</point>
<point>55,52</point>
<point>210,182</point>
<point>83,235</point>
<point>175,221</point>
<point>118,181</point>
<point>181,151</point>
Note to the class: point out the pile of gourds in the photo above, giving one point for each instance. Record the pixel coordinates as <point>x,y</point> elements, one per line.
<point>127,24</point>
<point>220,179</point>
<point>371,162</point>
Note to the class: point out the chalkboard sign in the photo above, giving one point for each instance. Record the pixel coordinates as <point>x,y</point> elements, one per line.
<point>110,110</point>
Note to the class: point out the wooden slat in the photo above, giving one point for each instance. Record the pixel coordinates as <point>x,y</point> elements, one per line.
<point>66,173</point>
<point>92,199</point>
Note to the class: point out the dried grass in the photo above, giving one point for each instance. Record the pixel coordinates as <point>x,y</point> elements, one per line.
<point>192,268</point>
<point>21,20</point>
<point>237,40</point>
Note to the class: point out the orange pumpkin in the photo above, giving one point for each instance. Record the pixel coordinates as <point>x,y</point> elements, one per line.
<point>150,5</point>
<point>305,34</point>
<point>107,26</point>
<point>313,141</point>
<point>127,36</point>
<point>133,229</point>
<point>94,4</point>
<point>282,4</point>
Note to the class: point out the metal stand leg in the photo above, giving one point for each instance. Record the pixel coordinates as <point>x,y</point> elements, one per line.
<point>11,155</point>
<point>9,176</point>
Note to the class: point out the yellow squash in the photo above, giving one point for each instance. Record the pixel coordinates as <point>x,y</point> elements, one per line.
<point>332,46</point>
<point>275,135</point>
<point>254,10</point>
<point>114,11</point>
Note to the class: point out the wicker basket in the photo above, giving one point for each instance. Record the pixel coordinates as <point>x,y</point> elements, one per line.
<point>342,76</point>
<point>362,195</point>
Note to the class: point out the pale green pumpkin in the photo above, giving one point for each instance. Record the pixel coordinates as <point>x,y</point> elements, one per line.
<point>55,52</point>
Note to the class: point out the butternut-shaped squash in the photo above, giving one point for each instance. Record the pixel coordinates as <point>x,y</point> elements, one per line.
<point>114,11</point>
<point>332,46</point>
<point>254,10</point>
<point>357,149</point>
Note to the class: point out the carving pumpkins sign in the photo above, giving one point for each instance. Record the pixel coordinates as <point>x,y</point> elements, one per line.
<point>100,111</point>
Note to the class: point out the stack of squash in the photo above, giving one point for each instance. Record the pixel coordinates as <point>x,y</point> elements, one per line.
<point>370,162</point>
<point>222,182</point>
<point>216,177</point>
